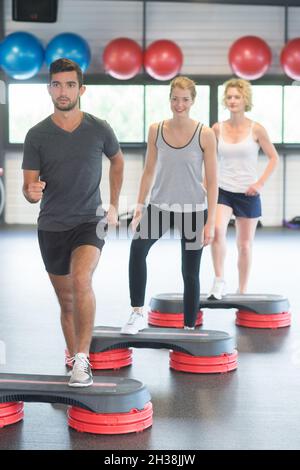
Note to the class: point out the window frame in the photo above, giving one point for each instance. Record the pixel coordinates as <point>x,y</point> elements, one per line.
<point>99,79</point>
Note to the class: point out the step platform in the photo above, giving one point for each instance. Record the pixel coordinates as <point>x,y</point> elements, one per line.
<point>110,406</point>
<point>253,310</point>
<point>195,351</point>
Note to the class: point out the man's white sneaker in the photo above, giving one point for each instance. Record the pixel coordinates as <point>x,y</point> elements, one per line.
<point>69,361</point>
<point>81,374</point>
<point>218,289</point>
<point>134,325</point>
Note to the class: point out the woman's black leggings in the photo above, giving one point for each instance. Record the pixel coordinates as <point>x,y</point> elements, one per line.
<point>154,223</point>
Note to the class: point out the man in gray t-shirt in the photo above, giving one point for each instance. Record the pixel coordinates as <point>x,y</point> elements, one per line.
<point>71,164</point>
<point>62,166</point>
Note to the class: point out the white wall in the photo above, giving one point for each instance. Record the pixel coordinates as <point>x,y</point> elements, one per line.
<point>17,210</point>
<point>293,186</point>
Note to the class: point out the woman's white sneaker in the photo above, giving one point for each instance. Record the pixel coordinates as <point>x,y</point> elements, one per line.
<point>135,323</point>
<point>218,289</point>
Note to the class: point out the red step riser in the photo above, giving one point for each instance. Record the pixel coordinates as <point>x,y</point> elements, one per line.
<point>254,320</point>
<point>223,359</point>
<point>11,413</point>
<point>98,429</point>
<point>266,325</point>
<point>245,315</point>
<point>113,359</point>
<point>203,365</point>
<point>110,423</point>
<point>112,419</point>
<point>170,320</point>
<point>117,354</point>
<point>202,369</point>
<point>95,365</point>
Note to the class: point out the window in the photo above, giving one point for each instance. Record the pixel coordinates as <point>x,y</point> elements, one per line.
<point>121,106</point>
<point>291,114</point>
<point>267,109</point>
<point>28,104</point>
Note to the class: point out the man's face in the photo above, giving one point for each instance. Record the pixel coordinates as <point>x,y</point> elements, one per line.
<point>64,90</point>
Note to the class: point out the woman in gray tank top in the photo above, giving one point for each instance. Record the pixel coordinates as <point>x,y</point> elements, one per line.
<point>239,141</point>
<point>176,150</point>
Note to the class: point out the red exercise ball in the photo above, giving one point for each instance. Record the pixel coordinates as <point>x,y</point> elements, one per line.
<point>163,59</point>
<point>250,57</point>
<point>290,58</point>
<point>122,58</point>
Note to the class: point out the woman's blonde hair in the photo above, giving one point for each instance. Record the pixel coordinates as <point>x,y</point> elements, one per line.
<point>184,83</point>
<point>243,86</point>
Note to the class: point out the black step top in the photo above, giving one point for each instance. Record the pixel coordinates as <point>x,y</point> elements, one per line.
<point>263,304</point>
<point>194,342</point>
<point>106,395</point>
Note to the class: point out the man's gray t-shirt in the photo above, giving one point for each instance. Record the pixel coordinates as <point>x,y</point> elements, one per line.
<point>70,163</point>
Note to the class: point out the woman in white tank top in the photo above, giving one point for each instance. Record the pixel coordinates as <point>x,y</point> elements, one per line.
<point>239,141</point>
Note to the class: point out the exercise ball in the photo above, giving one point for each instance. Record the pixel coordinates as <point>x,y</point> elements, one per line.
<point>250,57</point>
<point>163,59</point>
<point>122,58</point>
<point>290,59</point>
<point>69,46</point>
<point>21,55</point>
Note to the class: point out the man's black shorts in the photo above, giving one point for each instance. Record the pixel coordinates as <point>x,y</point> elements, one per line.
<point>56,247</point>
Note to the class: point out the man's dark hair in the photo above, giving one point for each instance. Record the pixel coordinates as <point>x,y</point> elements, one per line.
<point>66,65</point>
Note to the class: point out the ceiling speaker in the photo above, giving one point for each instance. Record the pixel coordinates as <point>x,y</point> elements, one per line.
<point>36,11</point>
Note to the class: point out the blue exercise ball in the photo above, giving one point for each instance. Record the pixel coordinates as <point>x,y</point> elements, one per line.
<point>69,46</point>
<point>21,55</point>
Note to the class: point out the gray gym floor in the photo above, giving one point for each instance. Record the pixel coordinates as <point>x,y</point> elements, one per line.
<point>255,407</point>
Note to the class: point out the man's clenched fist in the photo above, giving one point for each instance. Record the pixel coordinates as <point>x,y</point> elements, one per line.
<point>34,191</point>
